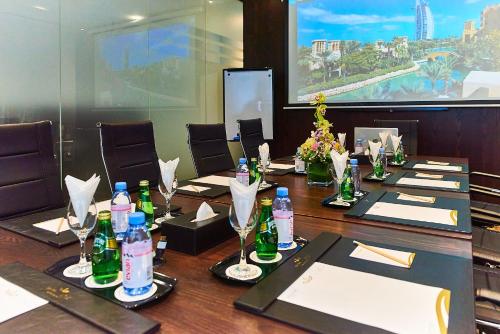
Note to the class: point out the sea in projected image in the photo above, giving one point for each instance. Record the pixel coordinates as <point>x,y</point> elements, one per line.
<point>396,50</point>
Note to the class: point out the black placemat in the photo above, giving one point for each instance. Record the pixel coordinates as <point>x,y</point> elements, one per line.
<point>328,201</point>
<point>219,269</point>
<point>71,306</point>
<point>410,165</point>
<point>165,285</point>
<point>371,178</point>
<point>394,178</point>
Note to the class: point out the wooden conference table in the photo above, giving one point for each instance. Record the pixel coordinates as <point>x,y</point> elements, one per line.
<point>204,303</point>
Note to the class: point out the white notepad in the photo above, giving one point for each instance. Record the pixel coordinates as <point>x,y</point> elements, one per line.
<point>416,198</point>
<point>438,167</point>
<point>281,166</point>
<point>53,224</point>
<point>411,212</point>
<point>195,189</point>
<point>213,179</point>
<point>390,304</point>
<point>365,254</point>
<point>16,300</point>
<point>429,176</point>
<point>429,183</point>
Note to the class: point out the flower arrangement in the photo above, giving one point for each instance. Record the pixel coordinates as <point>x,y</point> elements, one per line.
<point>317,147</point>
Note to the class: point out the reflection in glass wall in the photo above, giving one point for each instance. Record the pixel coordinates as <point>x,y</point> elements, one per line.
<point>82,62</point>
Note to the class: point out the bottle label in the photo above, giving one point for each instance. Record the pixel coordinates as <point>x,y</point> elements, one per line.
<point>243,178</point>
<point>119,217</point>
<point>284,224</point>
<point>137,262</point>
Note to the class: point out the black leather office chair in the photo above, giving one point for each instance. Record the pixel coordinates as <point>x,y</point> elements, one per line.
<point>251,136</point>
<point>129,153</point>
<point>407,128</point>
<point>209,148</point>
<point>29,174</point>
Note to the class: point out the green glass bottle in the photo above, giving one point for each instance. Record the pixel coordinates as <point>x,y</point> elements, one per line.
<point>266,233</point>
<point>347,186</point>
<point>254,170</point>
<point>105,253</point>
<point>144,203</point>
<point>399,156</point>
<point>378,169</point>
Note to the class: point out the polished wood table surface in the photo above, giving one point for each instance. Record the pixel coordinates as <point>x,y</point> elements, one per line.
<point>203,303</point>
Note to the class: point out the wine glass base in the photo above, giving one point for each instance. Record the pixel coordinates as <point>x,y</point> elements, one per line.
<point>340,203</point>
<point>75,271</point>
<point>247,272</point>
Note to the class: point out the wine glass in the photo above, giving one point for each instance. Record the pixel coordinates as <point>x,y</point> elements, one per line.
<point>243,270</point>
<point>263,165</point>
<point>339,179</point>
<point>375,163</point>
<point>81,229</point>
<point>168,198</point>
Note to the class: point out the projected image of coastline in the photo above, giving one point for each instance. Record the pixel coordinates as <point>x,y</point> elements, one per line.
<point>394,50</point>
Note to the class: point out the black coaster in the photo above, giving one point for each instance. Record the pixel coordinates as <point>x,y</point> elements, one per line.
<point>165,284</point>
<point>372,178</point>
<point>331,203</point>
<point>219,269</point>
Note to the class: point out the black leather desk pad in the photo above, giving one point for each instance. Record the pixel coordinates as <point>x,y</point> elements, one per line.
<point>84,311</point>
<point>433,269</point>
<point>394,178</point>
<point>165,285</point>
<point>411,163</point>
<point>461,205</point>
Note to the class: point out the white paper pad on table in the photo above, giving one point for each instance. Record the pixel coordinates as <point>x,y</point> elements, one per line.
<point>103,205</point>
<point>438,167</point>
<point>366,254</point>
<point>16,300</point>
<point>429,183</point>
<point>430,162</point>
<point>416,198</point>
<point>53,224</point>
<point>193,188</point>
<point>387,303</point>
<point>213,179</point>
<point>411,212</point>
<point>280,166</point>
<point>429,176</point>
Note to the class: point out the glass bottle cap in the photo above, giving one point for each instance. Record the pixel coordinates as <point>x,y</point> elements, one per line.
<point>104,215</point>
<point>266,201</point>
<point>143,183</point>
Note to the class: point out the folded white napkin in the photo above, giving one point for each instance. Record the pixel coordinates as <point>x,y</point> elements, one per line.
<point>81,194</point>
<point>167,170</point>
<point>374,149</point>
<point>341,138</point>
<point>395,141</point>
<point>264,153</point>
<point>243,200</point>
<point>204,212</point>
<point>339,162</point>
<point>383,137</point>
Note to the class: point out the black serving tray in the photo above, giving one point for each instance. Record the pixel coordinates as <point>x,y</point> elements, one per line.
<point>370,178</point>
<point>165,284</point>
<point>327,201</point>
<point>219,269</point>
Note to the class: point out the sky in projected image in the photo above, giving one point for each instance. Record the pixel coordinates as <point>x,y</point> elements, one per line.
<point>395,50</point>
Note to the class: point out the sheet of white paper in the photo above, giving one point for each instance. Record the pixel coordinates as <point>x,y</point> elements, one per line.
<point>52,225</point>
<point>213,179</point>
<point>192,188</point>
<point>103,205</point>
<point>429,183</point>
<point>429,176</point>
<point>394,305</point>
<point>430,162</point>
<point>205,218</point>
<point>416,198</point>
<point>365,254</point>
<point>411,212</point>
<point>438,167</point>
<point>280,166</point>
<point>16,300</point>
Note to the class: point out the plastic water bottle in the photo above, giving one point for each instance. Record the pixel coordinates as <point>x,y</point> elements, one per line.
<point>383,160</point>
<point>283,217</point>
<point>356,177</point>
<point>300,165</point>
<point>137,256</point>
<point>120,209</point>
<point>358,148</point>
<point>242,172</point>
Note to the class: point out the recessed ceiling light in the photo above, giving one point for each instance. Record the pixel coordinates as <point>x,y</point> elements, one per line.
<point>82,29</point>
<point>135,18</point>
<point>210,1</point>
<point>40,8</point>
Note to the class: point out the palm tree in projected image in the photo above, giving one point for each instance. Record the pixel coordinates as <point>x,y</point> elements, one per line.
<point>448,64</point>
<point>375,92</point>
<point>434,72</point>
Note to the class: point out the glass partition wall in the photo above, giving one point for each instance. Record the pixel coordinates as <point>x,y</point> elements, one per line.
<point>77,63</point>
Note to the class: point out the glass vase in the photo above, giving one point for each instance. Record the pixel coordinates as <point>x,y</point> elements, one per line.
<point>318,174</point>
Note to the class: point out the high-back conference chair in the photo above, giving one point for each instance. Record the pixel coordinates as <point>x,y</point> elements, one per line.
<point>209,148</point>
<point>129,153</point>
<point>251,136</point>
<point>29,176</point>
<point>407,128</point>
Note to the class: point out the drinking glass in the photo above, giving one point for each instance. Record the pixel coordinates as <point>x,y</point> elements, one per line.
<point>243,270</point>
<point>338,179</point>
<point>168,198</point>
<point>374,165</point>
<point>263,165</point>
<point>81,229</point>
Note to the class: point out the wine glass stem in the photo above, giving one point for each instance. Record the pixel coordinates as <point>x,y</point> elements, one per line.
<point>339,193</point>
<point>168,199</point>
<point>243,253</point>
<point>83,259</point>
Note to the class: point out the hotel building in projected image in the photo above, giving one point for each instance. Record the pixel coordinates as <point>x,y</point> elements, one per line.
<point>423,20</point>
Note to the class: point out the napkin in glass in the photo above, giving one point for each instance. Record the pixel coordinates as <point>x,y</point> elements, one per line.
<point>339,162</point>
<point>383,137</point>
<point>204,212</point>
<point>341,138</point>
<point>243,200</point>
<point>167,170</point>
<point>396,141</point>
<point>81,194</point>
<point>374,149</point>
<point>264,153</point>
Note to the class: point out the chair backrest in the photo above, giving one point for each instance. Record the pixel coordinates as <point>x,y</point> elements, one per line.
<point>129,153</point>
<point>251,136</point>
<point>29,173</point>
<point>407,128</point>
<point>209,148</point>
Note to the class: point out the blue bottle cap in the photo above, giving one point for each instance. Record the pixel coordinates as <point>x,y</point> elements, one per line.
<point>282,191</point>
<point>121,186</point>
<point>382,150</point>
<point>354,161</point>
<point>136,218</point>
<point>243,161</point>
